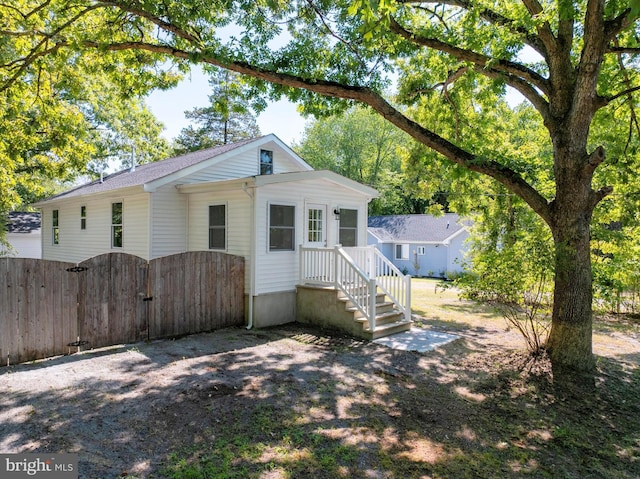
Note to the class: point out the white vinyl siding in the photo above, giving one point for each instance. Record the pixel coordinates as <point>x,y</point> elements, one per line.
<point>169,211</point>
<point>77,245</point>
<point>24,245</point>
<point>244,165</point>
<point>278,270</point>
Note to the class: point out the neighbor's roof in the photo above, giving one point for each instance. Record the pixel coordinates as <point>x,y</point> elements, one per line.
<point>20,222</point>
<point>149,172</point>
<point>415,228</point>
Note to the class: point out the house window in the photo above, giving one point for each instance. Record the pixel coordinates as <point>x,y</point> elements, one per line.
<point>217,227</point>
<point>348,227</point>
<point>315,222</point>
<point>282,229</point>
<point>420,250</point>
<point>83,217</point>
<point>55,227</point>
<point>116,225</point>
<point>266,162</point>
<point>402,251</point>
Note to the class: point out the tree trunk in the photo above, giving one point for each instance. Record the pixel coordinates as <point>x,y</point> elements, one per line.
<point>570,339</point>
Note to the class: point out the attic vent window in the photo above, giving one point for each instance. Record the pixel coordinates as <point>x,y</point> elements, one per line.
<point>266,162</point>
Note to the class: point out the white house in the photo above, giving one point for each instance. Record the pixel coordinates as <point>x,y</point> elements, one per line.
<point>421,245</point>
<point>23,235</point>
<point>255,198</point>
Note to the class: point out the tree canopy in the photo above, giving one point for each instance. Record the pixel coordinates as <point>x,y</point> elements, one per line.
<point>228,117</point>
<point>581,61</point>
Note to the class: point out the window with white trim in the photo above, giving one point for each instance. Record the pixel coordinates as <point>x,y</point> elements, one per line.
<point>218,227</point>
<point>282,228</point>
<point>348,235</point>
<point>266,162</point>
<point>55,227</point>
<point>420,250</point>
<point>116,225</point>
<point>402,251</point>
<point>83,217</point>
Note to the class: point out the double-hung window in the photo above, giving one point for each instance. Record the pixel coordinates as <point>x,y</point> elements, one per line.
<point>282,228</point>
<point>217,227</point>
<point>55,227</point>
<point>402,251</point>
<point>116,225</point>
<point>348,227</point>
<point>83,217</point>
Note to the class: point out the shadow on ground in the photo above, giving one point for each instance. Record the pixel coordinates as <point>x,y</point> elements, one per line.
<point>299,402</point>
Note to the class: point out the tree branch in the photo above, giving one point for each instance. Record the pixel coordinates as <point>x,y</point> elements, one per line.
<point>616,25</point>
<point>544,31</point>
<point>512,180</point>
<point>504,66</point>
<point>495,18</point>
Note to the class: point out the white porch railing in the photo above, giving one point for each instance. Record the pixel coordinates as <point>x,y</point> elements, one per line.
<point>358,272</point>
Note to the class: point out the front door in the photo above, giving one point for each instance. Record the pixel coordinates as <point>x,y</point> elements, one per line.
<point>316,226</point>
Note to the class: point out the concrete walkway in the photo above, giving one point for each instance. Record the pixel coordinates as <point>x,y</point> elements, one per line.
<point>417,339</point>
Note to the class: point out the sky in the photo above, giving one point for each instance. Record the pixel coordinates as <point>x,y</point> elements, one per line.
<point>280,118</point>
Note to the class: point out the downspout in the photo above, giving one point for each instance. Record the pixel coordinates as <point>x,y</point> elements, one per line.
<point>252,254</point>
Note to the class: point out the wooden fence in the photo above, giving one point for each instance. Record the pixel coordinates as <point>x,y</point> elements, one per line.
<point>115,298</point>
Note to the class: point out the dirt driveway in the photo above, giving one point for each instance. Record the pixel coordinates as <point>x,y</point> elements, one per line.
<point>124,409</point>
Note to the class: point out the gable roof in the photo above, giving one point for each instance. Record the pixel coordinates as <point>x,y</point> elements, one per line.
<point>21,222</point>
<point>151,175</point>
<point>415,228</point>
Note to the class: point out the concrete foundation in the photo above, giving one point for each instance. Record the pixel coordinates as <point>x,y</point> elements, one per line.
<point>320,307</point>
<point>273,309</point>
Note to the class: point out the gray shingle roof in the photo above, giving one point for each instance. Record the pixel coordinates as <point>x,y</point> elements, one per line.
<point>148,172</point>
<point>415,228</point>
<point>19,222</point>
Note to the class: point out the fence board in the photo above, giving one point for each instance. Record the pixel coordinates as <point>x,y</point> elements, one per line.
<point>37,309</point>
<point>111,306</point>
<point>188,291</point>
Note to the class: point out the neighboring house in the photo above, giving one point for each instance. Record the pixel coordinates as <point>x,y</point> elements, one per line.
<point>23,235</point>
<point>255,198</point>
<point>421,245</point>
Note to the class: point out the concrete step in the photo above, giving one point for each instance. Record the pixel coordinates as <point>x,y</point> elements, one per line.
<point>387,329</point>
<point>380,308</point>
<point>392,316</point>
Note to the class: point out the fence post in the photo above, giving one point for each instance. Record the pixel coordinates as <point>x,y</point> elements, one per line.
<point>407,309</point>
<point>372,305</point>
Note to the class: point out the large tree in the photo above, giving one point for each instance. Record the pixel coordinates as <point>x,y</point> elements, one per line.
<point>228,117</point>
<point>585,60</point>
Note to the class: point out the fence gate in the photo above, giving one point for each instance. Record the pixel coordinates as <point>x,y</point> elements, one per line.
<point>111,290</point>
<point>114,298</point>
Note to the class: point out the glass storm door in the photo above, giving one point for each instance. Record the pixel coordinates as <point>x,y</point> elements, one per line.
<point>316,226</point>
